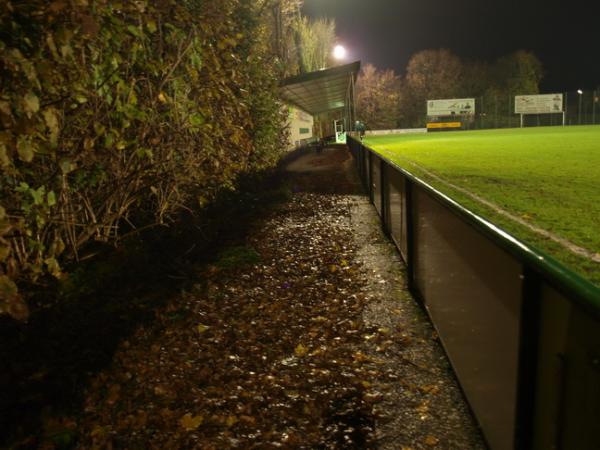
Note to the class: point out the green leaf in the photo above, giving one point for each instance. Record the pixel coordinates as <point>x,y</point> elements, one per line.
<point>53,267</point>
<point>51,198</point>
<point>22,187</point>
<point>151,25</point>
<point>196,60</point>
<point>99,128</point>
<point>135,31</point>
<point>144,152</point>
<point>196,119</point>
<point>25,149</point>
<point>38,195</point>
<point>109,140</point>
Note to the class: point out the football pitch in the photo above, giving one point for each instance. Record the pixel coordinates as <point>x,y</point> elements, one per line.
<point>540,184</point>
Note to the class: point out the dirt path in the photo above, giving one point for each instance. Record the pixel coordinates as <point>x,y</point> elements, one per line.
<point>304,337</point>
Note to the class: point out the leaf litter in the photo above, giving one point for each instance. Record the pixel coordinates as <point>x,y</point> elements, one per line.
<point>280,352</point>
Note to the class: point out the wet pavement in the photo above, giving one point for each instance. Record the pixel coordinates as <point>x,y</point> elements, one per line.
<point>421,404</point>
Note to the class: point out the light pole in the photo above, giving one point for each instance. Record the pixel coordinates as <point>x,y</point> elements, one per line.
<point>580,92</point>
<point>594,101</point>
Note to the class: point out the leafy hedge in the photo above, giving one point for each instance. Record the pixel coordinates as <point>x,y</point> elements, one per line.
<point>115,115</point>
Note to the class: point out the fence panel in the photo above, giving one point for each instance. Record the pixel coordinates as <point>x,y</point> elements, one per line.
<point>396,205</point>
<point>472,291</point>
<point>376,188</point>
<point>582,382</point>
<point>521,331</point>
<point>368,174</point>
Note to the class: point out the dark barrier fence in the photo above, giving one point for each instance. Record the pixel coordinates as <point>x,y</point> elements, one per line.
<point>521,331</point>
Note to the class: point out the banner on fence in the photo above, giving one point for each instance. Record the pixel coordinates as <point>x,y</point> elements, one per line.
<point>539,104</point>
<point>451,107</point>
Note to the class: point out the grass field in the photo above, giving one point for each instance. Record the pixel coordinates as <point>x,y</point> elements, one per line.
<point>547,178</point>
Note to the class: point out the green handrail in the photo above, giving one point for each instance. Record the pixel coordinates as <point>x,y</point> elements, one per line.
<point>574,286</point>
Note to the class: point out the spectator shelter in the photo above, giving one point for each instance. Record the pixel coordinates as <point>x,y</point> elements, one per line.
<point>327,96</point>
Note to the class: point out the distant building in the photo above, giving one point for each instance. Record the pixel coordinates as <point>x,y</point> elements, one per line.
<point>301,126</point>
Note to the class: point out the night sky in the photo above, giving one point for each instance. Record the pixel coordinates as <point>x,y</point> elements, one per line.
<point>565,35</point>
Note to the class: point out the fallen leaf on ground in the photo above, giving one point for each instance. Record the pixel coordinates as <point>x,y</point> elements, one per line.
<point>431,440</point>
<point>190,423</point>
<point>300,350</point>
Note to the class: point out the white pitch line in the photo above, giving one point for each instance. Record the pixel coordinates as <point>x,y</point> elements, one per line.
<point>574,248</point>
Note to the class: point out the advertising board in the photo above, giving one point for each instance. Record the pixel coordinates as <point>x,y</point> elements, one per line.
<point>539,104</point>
<point>451,107</point>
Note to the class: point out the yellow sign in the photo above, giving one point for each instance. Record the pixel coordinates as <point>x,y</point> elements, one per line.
<point>444,125</point>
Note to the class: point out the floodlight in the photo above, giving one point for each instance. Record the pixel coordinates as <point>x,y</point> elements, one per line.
<point>579,91</point>
<point>339,52</point>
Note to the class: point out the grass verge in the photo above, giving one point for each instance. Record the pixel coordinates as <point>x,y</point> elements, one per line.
<point>547,176</point>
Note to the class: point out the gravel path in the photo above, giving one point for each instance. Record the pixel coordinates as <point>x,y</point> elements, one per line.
<point>304,337</point>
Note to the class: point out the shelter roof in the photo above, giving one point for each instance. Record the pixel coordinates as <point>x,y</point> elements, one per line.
<point>320,91</point>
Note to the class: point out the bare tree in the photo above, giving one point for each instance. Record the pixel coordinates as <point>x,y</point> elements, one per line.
<point>315,40</point>
<point>377,97</point>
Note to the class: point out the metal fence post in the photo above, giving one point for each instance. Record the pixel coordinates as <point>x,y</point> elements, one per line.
<point>370,175</point>
<point>384,188</point>
<point>410,244</point>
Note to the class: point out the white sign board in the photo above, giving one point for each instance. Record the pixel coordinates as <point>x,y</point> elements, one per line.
<point>451,107</point>
<point>539,104</point>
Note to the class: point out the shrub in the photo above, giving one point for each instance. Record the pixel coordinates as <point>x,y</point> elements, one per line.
<point>115,115</point>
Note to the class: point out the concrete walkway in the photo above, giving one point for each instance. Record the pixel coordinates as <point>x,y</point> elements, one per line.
<point>421,405</point>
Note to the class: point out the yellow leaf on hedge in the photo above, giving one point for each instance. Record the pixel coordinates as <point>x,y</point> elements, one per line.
<point>25,149</point>
<point>4,159</point>
<point>190,423</point>
<point>53,267</point>
<point>4,252</point>
<point>51,119</point>
<point>5,108</point>
<point>31,104</point>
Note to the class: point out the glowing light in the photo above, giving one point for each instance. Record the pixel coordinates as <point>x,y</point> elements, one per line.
<point>339,52</point>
